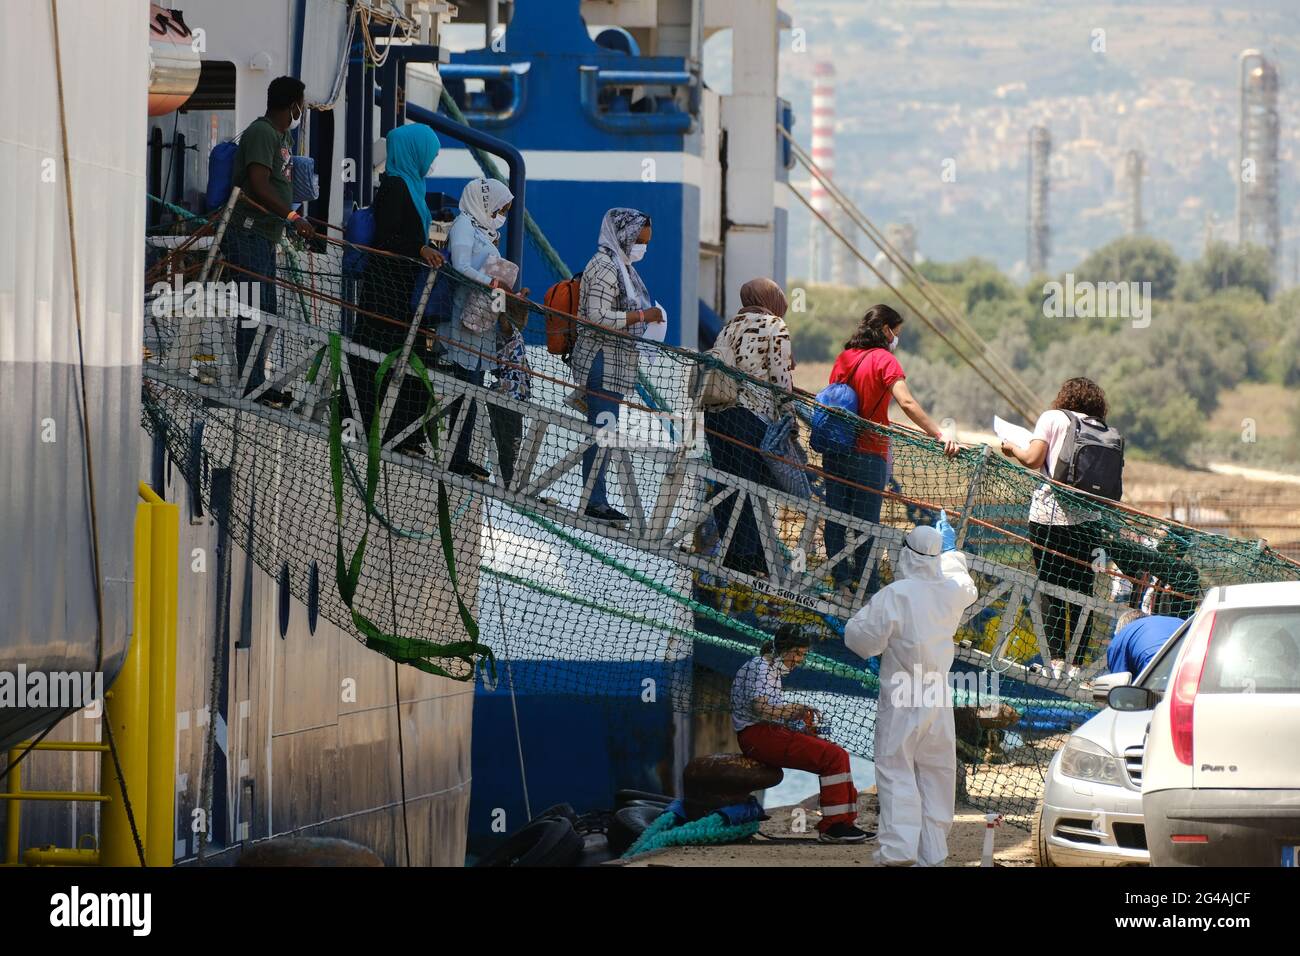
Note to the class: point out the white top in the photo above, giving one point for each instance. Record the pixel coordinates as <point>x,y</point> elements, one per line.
<point>1052,427</point>
<point>758,678</point>
<point>469,250</point>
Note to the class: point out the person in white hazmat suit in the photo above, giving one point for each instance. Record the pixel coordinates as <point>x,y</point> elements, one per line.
<point>911,623</point>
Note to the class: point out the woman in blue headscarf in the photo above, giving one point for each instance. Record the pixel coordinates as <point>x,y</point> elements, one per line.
<point>402,219</point>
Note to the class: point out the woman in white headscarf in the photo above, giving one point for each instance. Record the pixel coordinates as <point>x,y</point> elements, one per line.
<point>612,297</point>
<point>471,341</point>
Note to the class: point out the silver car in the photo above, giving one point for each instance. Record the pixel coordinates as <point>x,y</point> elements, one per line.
<point>1091,810</point>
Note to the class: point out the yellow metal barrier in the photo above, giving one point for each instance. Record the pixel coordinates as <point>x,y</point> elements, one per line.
<point>126,712</point>
<point>142,715</point>
<point>160,828</point>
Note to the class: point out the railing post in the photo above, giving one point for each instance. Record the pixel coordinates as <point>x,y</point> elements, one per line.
<point>398,373</point>
<point>189,328</point>
<point>971,490</point>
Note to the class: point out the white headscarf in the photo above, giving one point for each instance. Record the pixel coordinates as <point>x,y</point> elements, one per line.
<point>919,558</point>
<point>618,234</point>
<point>480,199</point>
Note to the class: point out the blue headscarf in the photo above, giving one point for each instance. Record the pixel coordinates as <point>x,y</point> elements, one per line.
<point>411,151</point>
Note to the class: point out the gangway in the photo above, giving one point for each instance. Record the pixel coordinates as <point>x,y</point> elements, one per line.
<point>659,469</point>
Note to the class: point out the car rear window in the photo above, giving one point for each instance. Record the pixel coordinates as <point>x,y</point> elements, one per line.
<point>1254,651</point>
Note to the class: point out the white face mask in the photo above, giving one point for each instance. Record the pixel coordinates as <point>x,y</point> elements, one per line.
<point>636,253</point>
<point>498,222</point>
<point>296,121</point>
<point>781,667</point>
<point>893,344</point>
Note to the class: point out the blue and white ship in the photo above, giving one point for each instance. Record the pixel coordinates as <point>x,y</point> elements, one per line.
<point>585,106</point>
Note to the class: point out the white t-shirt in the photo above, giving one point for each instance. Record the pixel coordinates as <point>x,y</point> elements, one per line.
<point>758,678</point>
<point>1052,427</point>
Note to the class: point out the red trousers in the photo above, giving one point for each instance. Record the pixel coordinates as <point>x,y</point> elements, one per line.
<point>778,747</point>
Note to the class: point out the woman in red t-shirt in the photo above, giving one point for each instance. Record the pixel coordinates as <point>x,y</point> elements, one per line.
<point>868,364</point>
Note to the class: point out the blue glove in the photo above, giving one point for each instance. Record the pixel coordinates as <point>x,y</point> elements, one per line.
<point>948,532</point>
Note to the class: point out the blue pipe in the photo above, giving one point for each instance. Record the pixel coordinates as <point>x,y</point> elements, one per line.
<point>514,159</point>
<point>386,97</point>
<point>484,71</point>
<point>592,78</point>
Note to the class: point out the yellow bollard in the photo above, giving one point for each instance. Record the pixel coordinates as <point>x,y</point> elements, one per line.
<point>165,537</point>
<point>127,711</point>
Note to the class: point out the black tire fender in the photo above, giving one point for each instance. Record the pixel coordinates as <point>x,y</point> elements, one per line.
<point>623,798</point>
<point>548,842</point>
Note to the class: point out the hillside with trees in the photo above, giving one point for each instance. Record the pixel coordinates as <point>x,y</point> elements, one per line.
<point>1212,328</point>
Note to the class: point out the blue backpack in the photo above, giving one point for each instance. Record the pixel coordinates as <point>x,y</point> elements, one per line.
<point>830,433</point>
<point>221,174</point>
<point>359,230</point>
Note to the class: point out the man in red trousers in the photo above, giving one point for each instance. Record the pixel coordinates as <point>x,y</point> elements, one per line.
<point>782,734</point>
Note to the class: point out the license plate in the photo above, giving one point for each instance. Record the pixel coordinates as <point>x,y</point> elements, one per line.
<point>1291,856</point>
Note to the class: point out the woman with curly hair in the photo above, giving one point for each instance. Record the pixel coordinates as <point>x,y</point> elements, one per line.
<point>1063,533</point>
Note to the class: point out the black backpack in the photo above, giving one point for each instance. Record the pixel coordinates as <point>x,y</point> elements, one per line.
<point>1092,458</point>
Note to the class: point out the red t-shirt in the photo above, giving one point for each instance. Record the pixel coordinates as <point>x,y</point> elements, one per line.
<point>875,374</point>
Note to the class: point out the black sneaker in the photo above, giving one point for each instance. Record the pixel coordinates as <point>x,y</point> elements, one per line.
<point>467,470</point>
<point>845,833</point>
<point>606,513</point>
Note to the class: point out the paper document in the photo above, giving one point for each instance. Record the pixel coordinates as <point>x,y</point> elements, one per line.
<point>1016,434</point>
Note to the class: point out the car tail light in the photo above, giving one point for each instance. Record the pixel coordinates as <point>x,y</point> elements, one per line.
<point>1189,838</point>
<point>1186,684</point>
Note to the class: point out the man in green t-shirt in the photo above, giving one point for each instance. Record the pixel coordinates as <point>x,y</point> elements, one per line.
<point>264,174</point>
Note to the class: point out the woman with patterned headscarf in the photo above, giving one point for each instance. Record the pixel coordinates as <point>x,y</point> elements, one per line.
<point>612,301</point>
<point>758,342</point>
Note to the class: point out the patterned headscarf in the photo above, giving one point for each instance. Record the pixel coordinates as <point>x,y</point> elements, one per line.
<point>618,233</point>
<point>763,295</point>
<point>480,199</point>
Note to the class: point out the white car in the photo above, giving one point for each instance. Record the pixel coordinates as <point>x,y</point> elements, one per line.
<point>1091,811</point>
<point>1221,774</point>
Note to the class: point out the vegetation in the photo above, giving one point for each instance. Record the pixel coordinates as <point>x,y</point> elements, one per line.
<point>1197,331</point>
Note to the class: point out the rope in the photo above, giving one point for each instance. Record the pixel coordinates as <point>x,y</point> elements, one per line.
<point>931,295</point>
<point>490,169</point>
<point>510,677</point>
<point>87,445</point>
<point>397,686</point>
<point>706,831</point>
<point>992,383</point>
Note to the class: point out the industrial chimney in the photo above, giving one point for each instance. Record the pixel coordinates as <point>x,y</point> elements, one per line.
<point>1257,172</point>
<point>1134,166</point>
<point>823,154</point>
<point>1040,154</point>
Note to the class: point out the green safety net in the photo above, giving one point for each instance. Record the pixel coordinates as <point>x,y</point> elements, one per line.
<point>453,574</point>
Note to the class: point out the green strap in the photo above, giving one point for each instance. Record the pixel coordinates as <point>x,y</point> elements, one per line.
<point>418,652</point>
